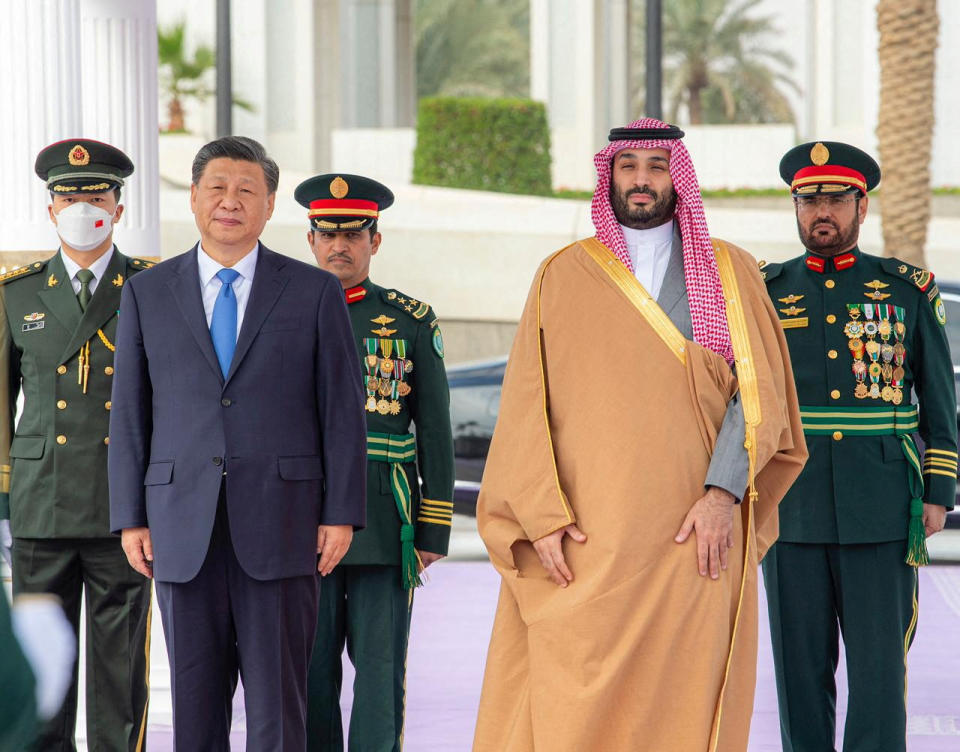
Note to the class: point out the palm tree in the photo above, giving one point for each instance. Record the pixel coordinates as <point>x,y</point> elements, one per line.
<point>473,48</point>
<point>908,43</point>
<point>182,76</point>
<point>721,63</point>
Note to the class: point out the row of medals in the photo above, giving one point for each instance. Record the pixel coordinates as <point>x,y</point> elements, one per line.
<point>879,323</point>
<point>384,375</point>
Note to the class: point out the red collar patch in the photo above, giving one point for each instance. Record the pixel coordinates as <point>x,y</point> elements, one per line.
<point>844,261</point>
<point>355,294</point>
<point>815,263</point>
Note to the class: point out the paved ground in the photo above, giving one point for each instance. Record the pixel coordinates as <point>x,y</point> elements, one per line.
<point>451,628</point>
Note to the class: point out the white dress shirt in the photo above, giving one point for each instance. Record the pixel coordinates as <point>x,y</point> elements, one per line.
<point>210,283</point>
<point>650,252</point>
<point>98,267</point>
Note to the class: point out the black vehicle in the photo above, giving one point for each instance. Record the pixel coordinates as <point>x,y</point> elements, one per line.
<point>475,399</point>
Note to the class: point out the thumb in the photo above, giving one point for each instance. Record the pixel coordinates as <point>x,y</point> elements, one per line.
<point>685,529</point>
<point>576,533</point>
<point>147,547</point>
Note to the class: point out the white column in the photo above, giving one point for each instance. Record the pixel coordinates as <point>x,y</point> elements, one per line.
<point>78,68</point>
<point>579,63</point>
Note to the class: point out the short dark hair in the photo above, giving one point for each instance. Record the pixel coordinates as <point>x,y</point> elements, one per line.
<point>240,148</point>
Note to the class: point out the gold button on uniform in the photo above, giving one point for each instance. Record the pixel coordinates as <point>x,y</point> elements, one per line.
<point>837,435</point>
<point>108,370</point>
<point>61,370</point>
<point>106,440</point>
<point>62,404</point>
<point>107,404</point>
<point>835,394</point>
<point>831,318</point>
<point>829,284</point>
<point>61,439</point>
<point>832,354</point>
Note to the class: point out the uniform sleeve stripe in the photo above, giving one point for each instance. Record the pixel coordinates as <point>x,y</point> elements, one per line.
<point>434,522</point>
<point>435,515</point>
<point>944,452</point>
<point>939,472</point>
<point>434,502</point>
<point>939,463</point>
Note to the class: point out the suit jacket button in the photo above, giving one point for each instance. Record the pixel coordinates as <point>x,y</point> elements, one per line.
<point>226,402</point>
<point>218,461</point>
<point>61,370</point>
<point>61,439</point>
<point>108,370</point>
<point>108,404</point>
<point>106,440</point>
<point>62,404</point>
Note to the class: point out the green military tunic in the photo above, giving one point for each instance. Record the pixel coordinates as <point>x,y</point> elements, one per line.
<point>363,601</point>
<point>865,334</point>
<point>60,358</point>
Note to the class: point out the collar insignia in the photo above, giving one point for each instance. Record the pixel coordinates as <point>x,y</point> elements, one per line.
<point>118,281</point>
<point>52,281</point>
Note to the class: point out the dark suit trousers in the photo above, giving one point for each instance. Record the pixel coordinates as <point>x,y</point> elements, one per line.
<point>223,622</point>
<point>118,636</point>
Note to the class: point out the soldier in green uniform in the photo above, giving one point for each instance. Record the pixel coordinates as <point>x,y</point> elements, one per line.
<point>865,333</point>
<point>367,599</point>
<point>57,334</point>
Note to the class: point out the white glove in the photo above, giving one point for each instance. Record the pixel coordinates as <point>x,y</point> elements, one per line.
<point>48,642</point>
<point>6,541</point>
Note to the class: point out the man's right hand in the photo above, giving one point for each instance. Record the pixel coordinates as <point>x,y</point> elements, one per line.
<point>550,550</point>
<point>138,548</point>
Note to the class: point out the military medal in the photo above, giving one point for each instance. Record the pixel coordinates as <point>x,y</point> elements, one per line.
<point>383,407</point>
<point>394,402</point>
<point>853,329</point>
<point>856,347</point>
<point>403,388</point>
<point>872,348</point>
<point>861,391</point>
<point>372,383</point>
<point>386,388</point>
<point>886,394</point>
<point>897,396</point>
<point>371,404</point>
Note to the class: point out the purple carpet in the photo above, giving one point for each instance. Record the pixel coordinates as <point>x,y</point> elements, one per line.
<point>453,616</point>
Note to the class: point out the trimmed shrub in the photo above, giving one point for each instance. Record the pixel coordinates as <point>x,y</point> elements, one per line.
<point>484,144</point>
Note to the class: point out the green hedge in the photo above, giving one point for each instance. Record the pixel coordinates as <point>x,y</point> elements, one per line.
<point>484,144</point>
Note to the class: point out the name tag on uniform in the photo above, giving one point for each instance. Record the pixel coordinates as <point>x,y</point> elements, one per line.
<point>32,326</point>
<point>795,323</point>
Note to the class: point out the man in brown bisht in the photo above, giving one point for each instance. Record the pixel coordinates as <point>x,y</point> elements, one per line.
<point>625,429</point>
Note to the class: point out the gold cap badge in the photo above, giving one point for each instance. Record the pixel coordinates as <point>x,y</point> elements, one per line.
<point>339,187</point>
<point>79,156</point>
<point>819,154</point>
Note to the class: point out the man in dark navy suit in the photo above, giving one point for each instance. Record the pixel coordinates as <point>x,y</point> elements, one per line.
<point>238,454</point>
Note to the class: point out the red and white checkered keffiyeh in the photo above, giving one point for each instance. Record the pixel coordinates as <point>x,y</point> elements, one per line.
<point>708,311</point>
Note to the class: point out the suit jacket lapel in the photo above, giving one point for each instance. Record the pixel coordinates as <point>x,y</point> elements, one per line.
<point>268,283</point>
<point>58,296</point>
<point>674,287</point>
<point>103,305</point>
<point>185,287</point>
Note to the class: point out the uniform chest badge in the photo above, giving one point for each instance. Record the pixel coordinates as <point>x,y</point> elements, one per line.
<point>792,310</point>
<point>383,320</point>
<point>34,316</point>
<point>32,326</point>
<point>877,295</point>
<point>383,331</point>
<point>791,299</point>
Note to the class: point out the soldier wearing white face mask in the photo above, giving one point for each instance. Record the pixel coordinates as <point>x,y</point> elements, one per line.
<point>58,323</point>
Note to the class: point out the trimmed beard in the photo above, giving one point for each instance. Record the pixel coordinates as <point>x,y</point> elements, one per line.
<point>643,217</point>
<point>844,239</point>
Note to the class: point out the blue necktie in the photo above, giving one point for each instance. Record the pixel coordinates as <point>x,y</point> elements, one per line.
<point>223,323</point>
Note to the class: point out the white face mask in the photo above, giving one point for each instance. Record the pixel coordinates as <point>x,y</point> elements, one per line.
<point>83,226</point>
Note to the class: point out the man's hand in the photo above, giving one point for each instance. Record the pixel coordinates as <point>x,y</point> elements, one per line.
<point>138,548</point>
<point>550,550</point>
<point>934,518</point>
<point>427,558</point>
<point>712,519</point>
<point>332,544</point>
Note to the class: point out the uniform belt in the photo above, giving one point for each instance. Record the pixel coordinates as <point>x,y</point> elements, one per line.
<point>391,447</point>
<point>880,421</point>
<point>859,421</point>
<point>397,449</point>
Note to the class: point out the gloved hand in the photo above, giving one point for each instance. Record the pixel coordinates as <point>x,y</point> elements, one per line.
<point>48,642</point>
<point>6,541</point>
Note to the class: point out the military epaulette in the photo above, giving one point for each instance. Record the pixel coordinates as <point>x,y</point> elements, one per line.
<point>769,271</point>
<point>22,271</point>
<point>416,308</point>
<point>922,278</point>
<point>140,264</point>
